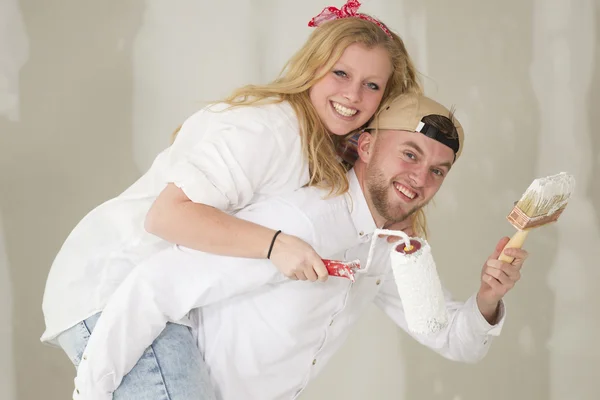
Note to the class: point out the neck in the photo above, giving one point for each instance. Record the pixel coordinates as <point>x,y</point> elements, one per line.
<point>361,175</point>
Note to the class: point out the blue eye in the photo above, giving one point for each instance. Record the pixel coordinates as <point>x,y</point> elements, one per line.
<point>438,172</point>
<point>410,155</point>
<point>373,86</point>
<point>340,73</point>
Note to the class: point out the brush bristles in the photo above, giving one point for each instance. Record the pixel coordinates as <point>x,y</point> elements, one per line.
<point>547,195</point>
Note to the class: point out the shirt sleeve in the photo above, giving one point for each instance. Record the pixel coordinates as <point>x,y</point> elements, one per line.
<point>221,158</point>
<point>468,336</point>
<point>163,289</point>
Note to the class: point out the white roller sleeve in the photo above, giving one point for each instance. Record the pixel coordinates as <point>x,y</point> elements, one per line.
<point>418,284</point>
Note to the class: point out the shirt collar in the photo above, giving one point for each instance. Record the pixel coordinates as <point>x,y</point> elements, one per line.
<point>359,210</point>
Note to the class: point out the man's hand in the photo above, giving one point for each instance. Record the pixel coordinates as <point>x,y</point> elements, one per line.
<point>498,278</point>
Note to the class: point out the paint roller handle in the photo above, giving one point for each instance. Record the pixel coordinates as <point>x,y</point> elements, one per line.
<point>515,242</point>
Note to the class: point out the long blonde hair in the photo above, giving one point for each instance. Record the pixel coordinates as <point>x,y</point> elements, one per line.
<point>316,58</point>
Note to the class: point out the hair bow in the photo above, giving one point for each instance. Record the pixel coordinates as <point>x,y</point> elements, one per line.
<point>348,10</point>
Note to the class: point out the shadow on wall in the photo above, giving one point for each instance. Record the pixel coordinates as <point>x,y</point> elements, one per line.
<point>569,37</point>
<point>594,124</point>
<point>70,151</point>
<point>14,51</point>
<point>7,376</point>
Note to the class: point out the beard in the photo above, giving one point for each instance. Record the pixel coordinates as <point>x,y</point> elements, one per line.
<point>378,188</point>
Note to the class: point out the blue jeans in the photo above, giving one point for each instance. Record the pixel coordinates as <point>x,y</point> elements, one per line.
<point>172,368</point>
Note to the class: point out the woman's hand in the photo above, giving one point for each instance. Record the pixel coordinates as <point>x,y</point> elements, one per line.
<point>296,259</point>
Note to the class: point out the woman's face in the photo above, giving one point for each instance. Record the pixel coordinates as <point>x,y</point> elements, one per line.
<point>348,95</point>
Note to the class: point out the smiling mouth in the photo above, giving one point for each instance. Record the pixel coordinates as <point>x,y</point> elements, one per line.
<point>344,111</point>
<point>405,191</point>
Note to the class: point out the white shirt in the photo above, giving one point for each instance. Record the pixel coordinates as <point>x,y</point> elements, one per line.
<point>226,159</point>
<point>264,336</point>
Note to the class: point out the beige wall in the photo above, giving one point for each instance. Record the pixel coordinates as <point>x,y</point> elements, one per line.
<point>104,84</point>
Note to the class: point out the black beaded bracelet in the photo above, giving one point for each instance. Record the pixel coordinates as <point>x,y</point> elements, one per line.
<point>272,243</point>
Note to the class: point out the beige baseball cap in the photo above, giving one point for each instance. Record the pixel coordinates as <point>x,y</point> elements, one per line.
<point>405,113</point>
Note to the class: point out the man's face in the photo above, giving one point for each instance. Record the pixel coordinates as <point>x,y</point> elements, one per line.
<point>404,170</point>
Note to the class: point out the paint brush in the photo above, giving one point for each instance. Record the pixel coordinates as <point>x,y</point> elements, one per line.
<point>542,203</point>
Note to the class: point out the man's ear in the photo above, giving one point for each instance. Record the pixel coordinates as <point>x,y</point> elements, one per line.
<point>366,145</point>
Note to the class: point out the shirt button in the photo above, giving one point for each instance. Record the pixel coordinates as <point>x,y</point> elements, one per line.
<point>331,323</point>
<point>361,233</point>
<point>485,341</point>
<point>378,282</point>
<point>314,361</point>
<point>85,357</point>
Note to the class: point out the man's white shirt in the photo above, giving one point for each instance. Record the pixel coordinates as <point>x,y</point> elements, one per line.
<point>265,336</point>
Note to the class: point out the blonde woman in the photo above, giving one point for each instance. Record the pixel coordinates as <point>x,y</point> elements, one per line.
<point>263,140</point>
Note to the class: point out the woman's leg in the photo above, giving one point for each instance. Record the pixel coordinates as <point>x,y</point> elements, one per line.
<point>172,368</point>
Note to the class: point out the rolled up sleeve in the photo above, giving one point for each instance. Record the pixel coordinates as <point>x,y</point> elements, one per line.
<point>222,162</point>
<point>466,338</point>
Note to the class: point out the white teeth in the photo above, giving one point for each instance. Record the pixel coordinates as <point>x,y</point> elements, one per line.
<point>405,191</point>
<point>346,112</point>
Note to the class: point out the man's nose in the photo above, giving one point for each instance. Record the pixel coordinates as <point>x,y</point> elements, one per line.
<point>419,175</point>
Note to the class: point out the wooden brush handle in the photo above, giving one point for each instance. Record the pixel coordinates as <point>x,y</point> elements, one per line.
<point>515,242</point>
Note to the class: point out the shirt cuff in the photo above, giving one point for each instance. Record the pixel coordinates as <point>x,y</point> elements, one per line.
<point>478,322</point>
<point>86,388</point>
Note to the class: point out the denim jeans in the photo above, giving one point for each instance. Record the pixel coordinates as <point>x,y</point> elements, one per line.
<point>172,368</point>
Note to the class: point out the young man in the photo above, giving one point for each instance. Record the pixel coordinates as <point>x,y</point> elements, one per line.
<point>265,336</point>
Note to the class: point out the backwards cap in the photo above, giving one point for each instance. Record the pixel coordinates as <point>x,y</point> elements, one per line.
<point>406,113</point>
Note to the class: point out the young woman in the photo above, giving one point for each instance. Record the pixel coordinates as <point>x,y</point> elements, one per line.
<point>261,141</point>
